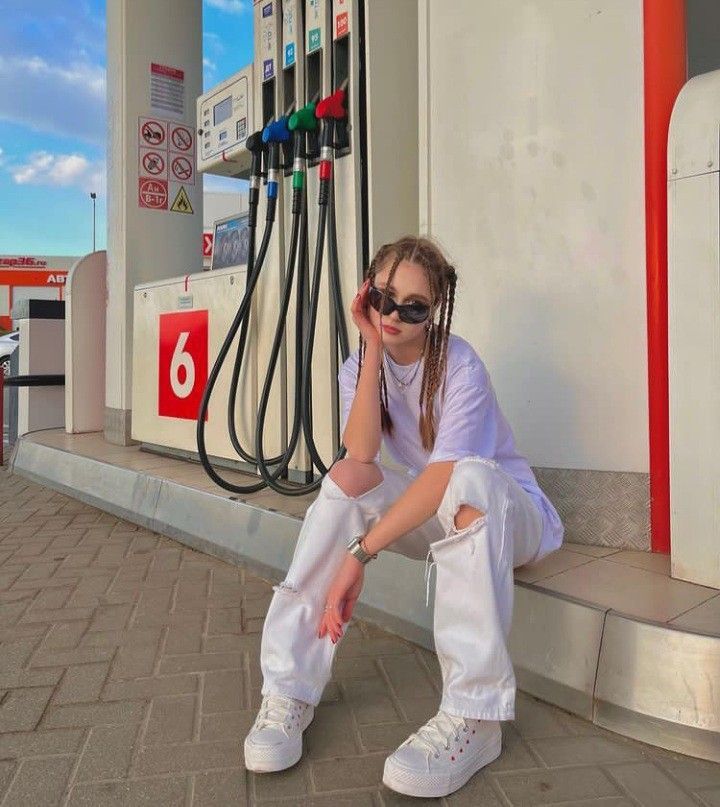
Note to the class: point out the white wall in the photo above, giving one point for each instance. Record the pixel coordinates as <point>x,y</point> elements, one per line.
<point>217,205</point>
<point>5,301</point>
<point>42,352</point>
<point>36,293</point>
<point>532,177</point>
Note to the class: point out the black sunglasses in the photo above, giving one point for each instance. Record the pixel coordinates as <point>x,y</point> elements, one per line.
<point>412,313</point>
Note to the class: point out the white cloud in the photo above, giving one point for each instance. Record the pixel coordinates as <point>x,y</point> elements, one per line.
<point>64,99</point>
<point>214,42</point>
<point>231,6</point>
<point>209,65</point>
<point>63,170</point>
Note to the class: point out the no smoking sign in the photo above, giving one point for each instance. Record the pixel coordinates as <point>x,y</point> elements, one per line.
<point>181,168</point>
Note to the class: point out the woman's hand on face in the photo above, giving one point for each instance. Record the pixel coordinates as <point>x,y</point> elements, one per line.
<point>341,597</point>
<point>359,311</point>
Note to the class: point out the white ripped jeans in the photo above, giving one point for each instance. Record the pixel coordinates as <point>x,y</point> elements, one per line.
<point>473,590</point>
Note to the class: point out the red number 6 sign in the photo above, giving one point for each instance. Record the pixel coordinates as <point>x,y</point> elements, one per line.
<point>183,364</point>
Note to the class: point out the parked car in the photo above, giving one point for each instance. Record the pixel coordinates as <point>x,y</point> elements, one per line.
<point>8,345</point>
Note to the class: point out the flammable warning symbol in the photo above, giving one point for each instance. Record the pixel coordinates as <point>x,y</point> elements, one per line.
<point>182,202</point>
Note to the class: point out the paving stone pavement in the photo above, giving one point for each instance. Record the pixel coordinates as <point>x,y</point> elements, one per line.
<point>129,675</point>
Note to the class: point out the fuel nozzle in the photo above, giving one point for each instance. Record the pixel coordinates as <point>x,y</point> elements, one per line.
<point>304,119</point>
<point>300,123</point>
<point>328,111</point>
<point>257,148</point>
<point>275,133</point>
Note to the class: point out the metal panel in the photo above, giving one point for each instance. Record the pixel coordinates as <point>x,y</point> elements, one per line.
<point>693,144</point>
<point>660,685</point>
<point>602,508</point>
<point>555,644</point>
<point>694,330</point>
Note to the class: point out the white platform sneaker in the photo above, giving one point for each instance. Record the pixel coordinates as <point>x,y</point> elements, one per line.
<point>442,755</point>
<point>275,740</point>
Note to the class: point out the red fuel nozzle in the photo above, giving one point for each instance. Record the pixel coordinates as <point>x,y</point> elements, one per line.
<point>332,107</point>
<point>329,110</point>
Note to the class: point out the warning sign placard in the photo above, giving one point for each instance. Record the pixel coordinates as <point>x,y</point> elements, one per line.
<point>181,168</point>
<point>152,132</point>
<point>153,193</point>
<point>182,202</point>
<point>181,139</point>
<point>153,163</point>
<point>166,165</point>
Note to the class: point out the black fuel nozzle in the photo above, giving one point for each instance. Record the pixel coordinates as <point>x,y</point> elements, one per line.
<point>257,148</point>
<point>313,135</point>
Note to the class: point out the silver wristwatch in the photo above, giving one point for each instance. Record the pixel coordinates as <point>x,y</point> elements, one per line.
<point>354,548</point>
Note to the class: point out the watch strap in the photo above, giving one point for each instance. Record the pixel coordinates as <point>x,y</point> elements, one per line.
<point>356,549</point>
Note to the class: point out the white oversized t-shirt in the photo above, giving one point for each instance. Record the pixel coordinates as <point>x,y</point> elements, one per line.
<point>468,423</point>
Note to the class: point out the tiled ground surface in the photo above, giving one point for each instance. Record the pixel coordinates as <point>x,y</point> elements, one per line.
<point>129,675</point>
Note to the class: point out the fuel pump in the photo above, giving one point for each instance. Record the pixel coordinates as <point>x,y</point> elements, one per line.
<point>319,134</point>
<point>371,197</point>
<point>329,111</point>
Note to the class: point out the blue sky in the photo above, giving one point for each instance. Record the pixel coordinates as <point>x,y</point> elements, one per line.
<point>52,115</point>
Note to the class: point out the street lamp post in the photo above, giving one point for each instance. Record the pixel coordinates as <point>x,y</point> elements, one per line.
<point>93,196</point>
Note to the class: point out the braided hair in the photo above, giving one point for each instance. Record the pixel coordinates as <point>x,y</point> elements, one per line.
<point>442,279</point>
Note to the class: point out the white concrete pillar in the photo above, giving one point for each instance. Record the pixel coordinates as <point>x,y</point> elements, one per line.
<point>154,75</point>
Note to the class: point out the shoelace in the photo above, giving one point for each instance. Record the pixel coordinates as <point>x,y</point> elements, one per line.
<point>435,734</point>
<point>281,705</point>
<point>428,570</point>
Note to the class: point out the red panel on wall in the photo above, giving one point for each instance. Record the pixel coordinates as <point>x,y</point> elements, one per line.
<point>183,364</point>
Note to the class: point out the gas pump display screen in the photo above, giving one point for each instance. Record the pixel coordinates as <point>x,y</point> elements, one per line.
<point>222,111</point>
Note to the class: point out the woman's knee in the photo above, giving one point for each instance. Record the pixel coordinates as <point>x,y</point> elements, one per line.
<point>354,477</point>
<point>472,491</point>
<point>466,515</point>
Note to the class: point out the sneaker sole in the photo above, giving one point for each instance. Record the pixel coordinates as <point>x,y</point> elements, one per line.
<point>268,762</point>
<point>410,783</point>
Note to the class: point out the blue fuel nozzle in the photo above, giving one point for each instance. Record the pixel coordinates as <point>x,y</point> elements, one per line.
<point>276,131</point>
